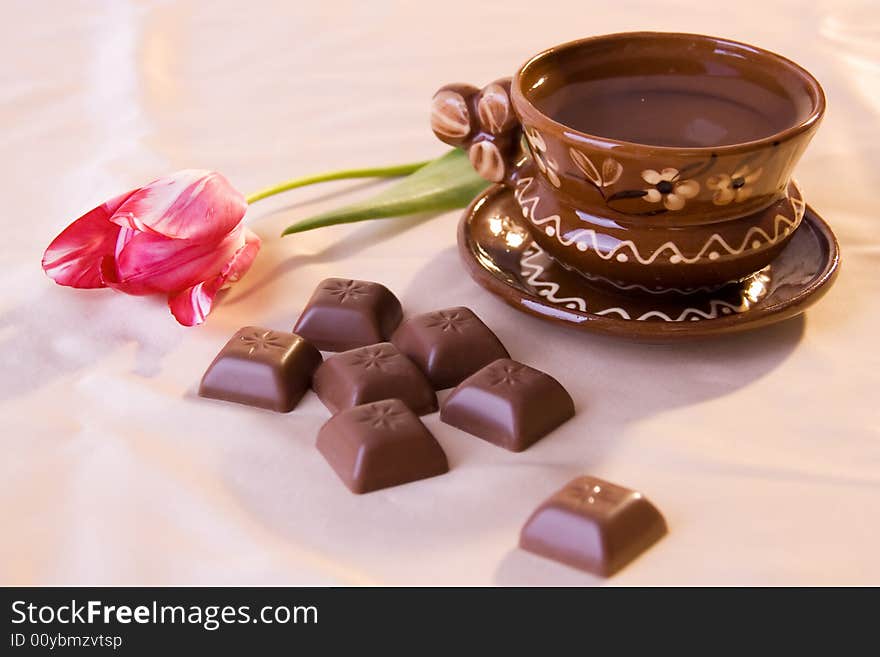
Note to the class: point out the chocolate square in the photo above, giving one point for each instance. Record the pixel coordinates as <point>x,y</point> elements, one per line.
<point>344,314</point>
<point>261,367</point>
<point>448,345</point>
<point>370,374</point>
<point>508,404</point>
<point>593,525</point>
<point>378,445</point>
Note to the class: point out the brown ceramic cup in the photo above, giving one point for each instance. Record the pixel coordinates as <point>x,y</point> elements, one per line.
<point>658,159</point>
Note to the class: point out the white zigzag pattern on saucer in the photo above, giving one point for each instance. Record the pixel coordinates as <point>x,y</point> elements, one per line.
<point>548,289</point>
<point>585,238</point>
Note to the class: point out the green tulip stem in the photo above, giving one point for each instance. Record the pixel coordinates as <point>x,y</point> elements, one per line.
<point>374,172</point>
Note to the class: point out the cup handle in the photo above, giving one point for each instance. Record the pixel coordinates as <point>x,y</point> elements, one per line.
<point>482,122</point>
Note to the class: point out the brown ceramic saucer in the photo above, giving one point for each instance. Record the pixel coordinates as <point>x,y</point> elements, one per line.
<point>499,253</point>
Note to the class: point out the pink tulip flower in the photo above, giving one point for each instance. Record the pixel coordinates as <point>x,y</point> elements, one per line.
<point>181,235</point>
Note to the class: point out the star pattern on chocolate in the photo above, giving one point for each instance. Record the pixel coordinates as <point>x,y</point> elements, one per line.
<point>506,374</point>
<point>585,495</point>
<point>346,290</point>
<point>374,358</point>
<point>590,493</point>
<point>263,341</point>
<point>382,416</point>
<point>447,320</point>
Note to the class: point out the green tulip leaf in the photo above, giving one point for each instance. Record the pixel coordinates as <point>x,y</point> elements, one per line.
<point>447,183</point>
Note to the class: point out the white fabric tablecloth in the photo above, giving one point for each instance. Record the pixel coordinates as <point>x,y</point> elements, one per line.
<point>762,451</point>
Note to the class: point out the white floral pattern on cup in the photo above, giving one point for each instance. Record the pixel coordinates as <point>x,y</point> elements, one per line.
<point>668,188</point>
<point>609,174</point>
<point>735,187</point>
<point>545,164</point>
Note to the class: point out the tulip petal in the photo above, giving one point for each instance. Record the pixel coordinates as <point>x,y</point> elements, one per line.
<point>191,306</point>
<point>243,259</point>
<point>193,204</point>
<point>149,263</point>
<point>74,258</point>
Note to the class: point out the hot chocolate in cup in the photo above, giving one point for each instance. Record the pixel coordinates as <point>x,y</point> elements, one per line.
<point>651,158</point>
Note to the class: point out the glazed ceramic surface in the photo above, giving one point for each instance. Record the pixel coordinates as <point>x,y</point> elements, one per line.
<point>762,450</point>
<point>664,137</point>
<point>496,246</point>
<point>705,255</point>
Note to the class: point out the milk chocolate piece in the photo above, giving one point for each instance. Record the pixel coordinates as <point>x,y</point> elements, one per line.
<point>508,404</point>
<point>379,445</point>
<point>593,525</point>
<point>370,374</point>
<point>343,314</point>
<point>448,345</point>
<point>261,367</point>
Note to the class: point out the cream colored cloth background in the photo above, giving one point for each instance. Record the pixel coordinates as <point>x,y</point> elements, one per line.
<point>763,450</point>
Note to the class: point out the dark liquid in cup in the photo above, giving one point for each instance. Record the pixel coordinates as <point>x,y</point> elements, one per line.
<point>672,110</point>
